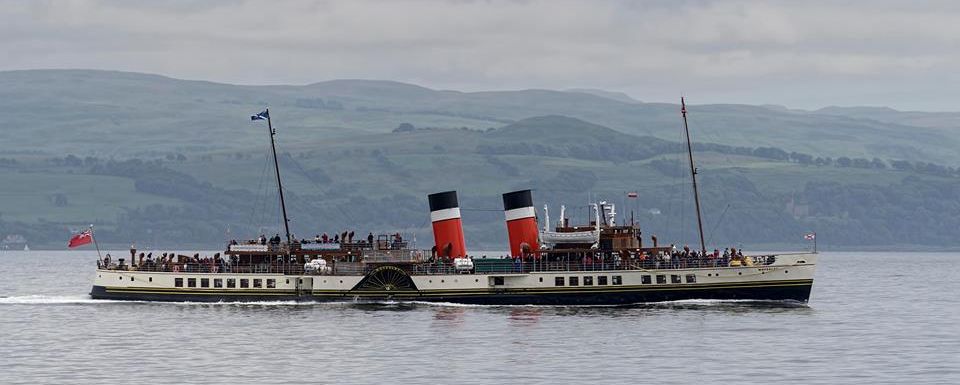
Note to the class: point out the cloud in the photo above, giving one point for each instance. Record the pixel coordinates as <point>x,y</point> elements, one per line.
<point>804,54</point>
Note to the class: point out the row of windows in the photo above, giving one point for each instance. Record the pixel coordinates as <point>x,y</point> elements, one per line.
<point>231,283</point>
<point>587,280</point>
<point>618,280</point>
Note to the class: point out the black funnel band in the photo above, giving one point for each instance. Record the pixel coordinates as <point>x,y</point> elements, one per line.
<point>443,200</point>
<point>517,199</point>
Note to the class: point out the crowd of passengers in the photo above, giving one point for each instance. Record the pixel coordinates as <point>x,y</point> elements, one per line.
<point>672,258</point>
<point>346,238</point>
<point>684,258</point>
<point>173,262</point>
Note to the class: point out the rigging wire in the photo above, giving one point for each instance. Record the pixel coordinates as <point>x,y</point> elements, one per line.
<point>259,195</point>
<point>303,172</point>
<point>719,221</point>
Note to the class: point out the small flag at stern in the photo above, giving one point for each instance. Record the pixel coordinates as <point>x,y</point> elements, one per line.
<point>81,239</point>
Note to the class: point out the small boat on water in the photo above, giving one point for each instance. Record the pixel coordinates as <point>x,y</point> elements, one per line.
<point>598,263</point>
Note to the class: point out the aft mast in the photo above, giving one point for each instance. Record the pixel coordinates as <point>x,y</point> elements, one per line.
<point>693,176</point>
<point>265,115</point>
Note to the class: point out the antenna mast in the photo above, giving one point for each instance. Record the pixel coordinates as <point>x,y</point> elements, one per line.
<point>693,175</point>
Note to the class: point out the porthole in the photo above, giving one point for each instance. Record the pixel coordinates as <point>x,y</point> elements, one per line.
<point>120,278</point>
<point>541,279</point>
<point>739,273</point>
<point>430,281</point>
<point>478,280</point>
<point>288,282</point>
<point>150,279</point>
<point>341,281</point>
<point>442,281</point>
<point>786,271</point>
<point>131,279</point>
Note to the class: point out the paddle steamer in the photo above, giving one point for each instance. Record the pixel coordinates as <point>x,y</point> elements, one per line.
<point>597,263</point>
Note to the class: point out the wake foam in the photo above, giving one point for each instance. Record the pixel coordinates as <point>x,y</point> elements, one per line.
<point>53,300</point>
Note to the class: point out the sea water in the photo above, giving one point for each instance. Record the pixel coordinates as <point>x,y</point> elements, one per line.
<point>872,318</point>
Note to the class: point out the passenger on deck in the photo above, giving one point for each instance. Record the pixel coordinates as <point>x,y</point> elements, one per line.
<point>317,239</point>
<point>263,239</point>
<point>325,238</point>
<point>336,238</point>
<point>370,238</point>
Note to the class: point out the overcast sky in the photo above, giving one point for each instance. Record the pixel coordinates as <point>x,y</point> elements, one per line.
<point>802,54</point>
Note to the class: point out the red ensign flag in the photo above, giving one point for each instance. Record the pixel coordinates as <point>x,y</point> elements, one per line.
<point>81,239</point>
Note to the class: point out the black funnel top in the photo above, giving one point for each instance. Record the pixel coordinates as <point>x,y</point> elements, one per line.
<point>517,199</point>
<point>443,200</point>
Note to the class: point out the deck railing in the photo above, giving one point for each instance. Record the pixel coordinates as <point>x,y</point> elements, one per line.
<point>506,266</point>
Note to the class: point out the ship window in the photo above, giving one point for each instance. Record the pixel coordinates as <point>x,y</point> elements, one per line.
<point>204,282</point>
<point>574,281</point>
<point>661,279</point>
<point>497,281</point>
<point>244,283</point>
<point>558,281</point>
<point>674,278</point>
<point>691,278</point>
<point>272,283</point>
<point>288,282</point>
<point>617,280</point>
<point>645,280</point>
<point>587,281</point>
<point>191,282</point>
<point>602,280</point>
<point>131,278</point>
<point>541,279</point>
<point>218,283</point>
<point>150,279</point>
<point>257,283</point>
<point>231,283</point>
<point>178,282</point>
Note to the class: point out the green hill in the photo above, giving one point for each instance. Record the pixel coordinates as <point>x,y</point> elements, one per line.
<point>168,163</point>
<point>116,113</point>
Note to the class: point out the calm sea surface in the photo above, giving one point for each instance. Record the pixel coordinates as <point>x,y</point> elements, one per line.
<point>872,318</point>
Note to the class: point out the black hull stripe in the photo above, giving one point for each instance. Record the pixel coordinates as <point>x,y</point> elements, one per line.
<point>785,291</point>
<point>552,290</point>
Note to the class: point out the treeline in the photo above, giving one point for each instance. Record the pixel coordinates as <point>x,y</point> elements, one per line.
<point>647,148</point>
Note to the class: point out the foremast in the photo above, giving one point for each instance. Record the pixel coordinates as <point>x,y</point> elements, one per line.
<point>693,176</point>
<point>265,115</point>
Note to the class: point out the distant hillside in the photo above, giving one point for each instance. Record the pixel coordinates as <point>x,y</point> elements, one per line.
<point>949,121</point>
<point>127,114</point>
<point>168,162</point>
<point>618,96</point>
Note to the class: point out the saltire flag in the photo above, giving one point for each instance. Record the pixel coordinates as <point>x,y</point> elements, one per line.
<point>632,195</point>
<point>80,239</point>
<point>810,236</point>
<point>261,116</point>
